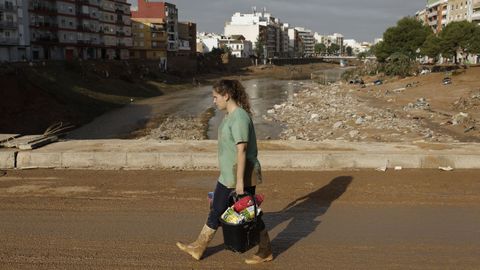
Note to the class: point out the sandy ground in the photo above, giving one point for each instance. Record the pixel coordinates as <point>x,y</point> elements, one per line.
<point>409,219</point>
<point>446,101</point>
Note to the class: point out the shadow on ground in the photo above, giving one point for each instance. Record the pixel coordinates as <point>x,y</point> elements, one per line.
<point>303,214</point>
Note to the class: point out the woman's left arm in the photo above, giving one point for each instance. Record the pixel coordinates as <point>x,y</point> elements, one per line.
<point>241,161</point>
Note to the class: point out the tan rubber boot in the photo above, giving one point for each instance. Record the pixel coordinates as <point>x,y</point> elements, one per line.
<point>197,248</point>
<point>264,253</point>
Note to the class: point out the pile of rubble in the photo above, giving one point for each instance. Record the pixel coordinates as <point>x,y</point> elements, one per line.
<point>176,127</point>
<point>333,112</point>
<point>471,102</point>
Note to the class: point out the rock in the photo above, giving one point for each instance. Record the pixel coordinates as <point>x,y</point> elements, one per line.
<point>292,138</point>
<point>359,121</point>
<point>338,125</point>
<point>459,118</point>
<point>314,116</point>
<point>272,111</point>
<point>353,133</point>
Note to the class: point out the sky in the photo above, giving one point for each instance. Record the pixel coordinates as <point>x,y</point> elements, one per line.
<point>362,20</point>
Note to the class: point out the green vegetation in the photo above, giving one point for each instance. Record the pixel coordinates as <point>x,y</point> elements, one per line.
<point>259,46</point>
<point>320,48</point>
<point>404,38</point>
<point>460,37</point>
<point>333,49</point>
<point>410,39</point>
<point>349,51</point>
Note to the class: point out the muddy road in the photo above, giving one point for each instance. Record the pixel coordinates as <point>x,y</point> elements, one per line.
<point>409,219</point>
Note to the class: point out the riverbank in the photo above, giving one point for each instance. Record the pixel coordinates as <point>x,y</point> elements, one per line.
<point>419,108</point>
<point>38,95</point>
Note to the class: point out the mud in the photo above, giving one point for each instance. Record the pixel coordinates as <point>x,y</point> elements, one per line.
<point>408,219</point>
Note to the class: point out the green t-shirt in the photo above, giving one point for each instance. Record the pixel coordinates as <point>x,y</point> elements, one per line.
<point>237,127</point>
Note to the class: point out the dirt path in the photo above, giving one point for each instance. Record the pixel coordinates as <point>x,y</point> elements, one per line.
<point>409,219</point>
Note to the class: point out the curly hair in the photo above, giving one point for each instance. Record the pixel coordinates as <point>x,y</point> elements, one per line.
<point>236,91</point>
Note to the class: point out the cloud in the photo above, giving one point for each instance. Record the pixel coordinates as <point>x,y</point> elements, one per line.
<point>359,19</point>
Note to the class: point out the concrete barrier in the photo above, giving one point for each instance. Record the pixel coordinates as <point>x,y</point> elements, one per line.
<point>273,155</point>
<point>7,159</point>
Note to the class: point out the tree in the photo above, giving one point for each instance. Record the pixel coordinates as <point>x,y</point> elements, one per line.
<point>431,47</point>
<point>474,42</point>
<point>457,37</point>
<point>333,49</point>
<point>362,56</point>
<point>259,47</point>
<point>398,64</point>
<point>320,48</point>
<point>349,51</point>
<point>406,38</point>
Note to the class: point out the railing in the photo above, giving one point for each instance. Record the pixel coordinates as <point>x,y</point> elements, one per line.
<point>7,7</point>
<point>43,8</point>
<point>9,41</point>
<point>46,39</point>
<point>5,24</point>
<point>86,29</point>
<point>44,24</point>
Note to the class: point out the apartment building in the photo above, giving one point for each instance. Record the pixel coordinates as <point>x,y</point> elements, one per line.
<point>475,15</point>
<point>421,16</point>
<point>149,39</point>
<point>187,36</point>
<point>437,11</point>
<point>13,30</point>
<point>259,26</point>
<point>307,40</point>
<point>459,10</point>
<point>238,46</point>
<point>84,29</point>
<point>206,42</point>
<point>328,40</point>
<point>166,15</point>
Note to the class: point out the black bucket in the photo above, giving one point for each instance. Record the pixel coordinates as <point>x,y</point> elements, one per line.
<point>242,237</point>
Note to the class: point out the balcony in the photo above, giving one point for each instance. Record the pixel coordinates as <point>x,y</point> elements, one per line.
<point>7,7</point>
<point>86,29</point>
<point>476,16</point>
<point>157,29</point>
<point>8,25</point>
<point>44,10</point>
<point>44,25</point>
<point>46,39</point>
<point>9,41</point>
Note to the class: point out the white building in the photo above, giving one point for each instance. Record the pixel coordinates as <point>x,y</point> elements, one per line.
<point>328,40</point>
<point>206,42</point>
<point>238,46</point>
<point>307,41</point>
<point>258,26</point>
<point>357,47</point>
<point>436,12</point>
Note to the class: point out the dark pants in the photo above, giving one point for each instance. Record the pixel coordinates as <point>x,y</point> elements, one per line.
<point>221,203</point>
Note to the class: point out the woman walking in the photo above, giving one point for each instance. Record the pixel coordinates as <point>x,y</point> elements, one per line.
<point>239,166</point>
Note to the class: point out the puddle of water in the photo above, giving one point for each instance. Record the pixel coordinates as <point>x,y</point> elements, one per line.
<point>263,93</point>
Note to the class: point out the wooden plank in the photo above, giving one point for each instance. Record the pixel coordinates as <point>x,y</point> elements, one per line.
<point>38,143</point>
<point>6,137</point>
<point>21,140</point>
